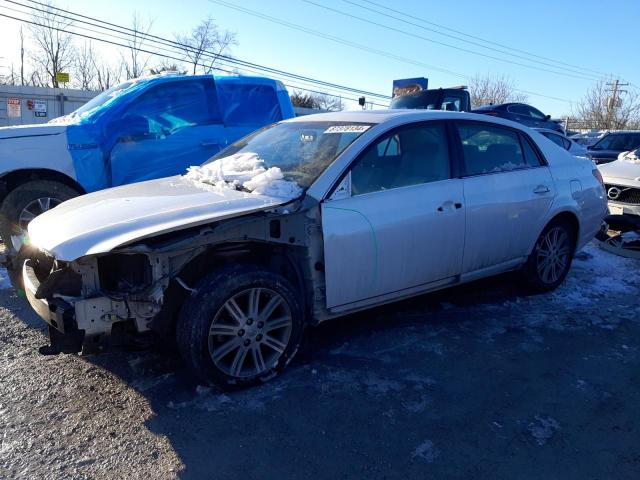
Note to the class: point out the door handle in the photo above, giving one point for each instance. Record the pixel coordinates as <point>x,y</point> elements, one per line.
<point>448,205</point>
<point>540,189</point>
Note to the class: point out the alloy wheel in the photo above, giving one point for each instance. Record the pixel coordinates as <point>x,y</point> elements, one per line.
<point>552,255</point>
<point>250,332</point>
<point>35,208</point>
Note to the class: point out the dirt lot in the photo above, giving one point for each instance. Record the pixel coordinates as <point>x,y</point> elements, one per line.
<point>476,382</point>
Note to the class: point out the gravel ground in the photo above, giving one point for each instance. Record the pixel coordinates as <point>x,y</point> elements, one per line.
<point>476,382</point>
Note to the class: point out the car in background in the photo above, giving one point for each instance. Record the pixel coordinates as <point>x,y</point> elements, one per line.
<point>521,113</point>
<point>145,128</point>
<point>613,144</point>
<point>564,142</point>
<point>454,99</point>
<point>622,183</point>
<point>589,138</point>
<point>304,221</point>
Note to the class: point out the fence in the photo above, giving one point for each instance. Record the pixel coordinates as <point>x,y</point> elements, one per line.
<point>22,105</point>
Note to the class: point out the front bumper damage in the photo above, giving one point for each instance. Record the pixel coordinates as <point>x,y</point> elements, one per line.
<point>81,318</point>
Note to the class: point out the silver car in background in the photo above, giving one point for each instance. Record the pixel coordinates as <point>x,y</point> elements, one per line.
<point>362,209</point>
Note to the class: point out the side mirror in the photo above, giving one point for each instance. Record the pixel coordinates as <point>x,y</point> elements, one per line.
<point>589,147</point>
<point>547,117</point>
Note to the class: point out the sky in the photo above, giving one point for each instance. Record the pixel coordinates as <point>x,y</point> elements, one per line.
<point>369,57</point>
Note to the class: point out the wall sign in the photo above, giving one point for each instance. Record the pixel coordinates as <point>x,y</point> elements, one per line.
<point>40,108</point>
<point>13,108</point>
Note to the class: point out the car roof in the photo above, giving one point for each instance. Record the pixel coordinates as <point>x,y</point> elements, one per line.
<point>383,116</point>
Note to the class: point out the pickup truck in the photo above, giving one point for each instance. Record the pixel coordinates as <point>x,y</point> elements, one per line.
<point>142,129</point>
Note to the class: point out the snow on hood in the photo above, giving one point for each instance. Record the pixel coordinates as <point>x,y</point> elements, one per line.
<point>19,131</point>
<point>244,171</point>
<point>101,221</point>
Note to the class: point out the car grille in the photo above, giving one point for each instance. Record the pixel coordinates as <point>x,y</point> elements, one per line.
<point>621,194</point>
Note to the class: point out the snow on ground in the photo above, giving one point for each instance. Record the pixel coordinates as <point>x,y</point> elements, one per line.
<point>244,170</point>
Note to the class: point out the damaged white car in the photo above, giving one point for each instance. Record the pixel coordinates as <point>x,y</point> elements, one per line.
<point>622,181</point>
<point>304,221</point>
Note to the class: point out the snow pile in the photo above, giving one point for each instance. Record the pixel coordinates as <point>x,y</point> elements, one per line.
<point>245,171</point>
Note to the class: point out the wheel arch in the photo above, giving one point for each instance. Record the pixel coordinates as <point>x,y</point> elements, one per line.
<point>280,259</point>
<point>10,181</point>
<point>567,216</point>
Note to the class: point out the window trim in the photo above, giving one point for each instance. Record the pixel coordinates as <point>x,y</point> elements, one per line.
<point>451,145</point>
<point>519,133</point>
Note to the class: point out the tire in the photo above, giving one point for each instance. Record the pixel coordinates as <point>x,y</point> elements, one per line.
<point>222,304</point>
<point>26,196</point>
<point>543,276</point>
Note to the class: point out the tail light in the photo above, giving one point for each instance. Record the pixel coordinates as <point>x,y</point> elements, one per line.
<point>598,175</point>
<point>493,114</point>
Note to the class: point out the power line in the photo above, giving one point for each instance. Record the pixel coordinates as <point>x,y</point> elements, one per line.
<point>170,57</point>
<point>359,46</point>
<point>423,20</point>
<point>182,47</point>
<point>448,45</point>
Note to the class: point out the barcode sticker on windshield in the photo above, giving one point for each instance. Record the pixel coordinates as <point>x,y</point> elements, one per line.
<point>347,129</point>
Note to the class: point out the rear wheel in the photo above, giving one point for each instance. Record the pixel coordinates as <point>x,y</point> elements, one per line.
<point>243,326</point>
<point>551,257</point>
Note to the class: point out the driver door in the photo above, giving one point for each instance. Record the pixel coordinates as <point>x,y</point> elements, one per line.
<point>166,129</point>
<point>396,222</point>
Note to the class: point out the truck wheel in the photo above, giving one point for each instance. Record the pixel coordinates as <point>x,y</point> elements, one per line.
<point>26,202</point>
<point>242,327</point>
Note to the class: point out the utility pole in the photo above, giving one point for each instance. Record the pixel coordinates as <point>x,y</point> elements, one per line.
<point>613,100</point>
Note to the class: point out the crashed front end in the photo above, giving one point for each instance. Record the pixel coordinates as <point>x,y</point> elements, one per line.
<point>96,301</point>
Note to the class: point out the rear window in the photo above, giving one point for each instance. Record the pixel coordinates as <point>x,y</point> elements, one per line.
<point>248,105</point>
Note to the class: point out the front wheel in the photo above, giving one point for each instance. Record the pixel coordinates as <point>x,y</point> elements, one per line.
<point>551,257</point>
<point>243,326</point>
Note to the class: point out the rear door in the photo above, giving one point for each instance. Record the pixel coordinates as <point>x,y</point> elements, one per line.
<point>508,190</point>
<point>396,221</point>
<point>168,128</point>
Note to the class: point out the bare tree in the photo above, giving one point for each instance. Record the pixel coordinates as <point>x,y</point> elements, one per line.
<point>53,51</point>
<point>599,109</point>
<point>135,61</point>
<point>106,75</point>
<point>321,101</point>
<point>85,71</point>
<point>493,89</point>
<point>166,67</point>
<point>204,44</point>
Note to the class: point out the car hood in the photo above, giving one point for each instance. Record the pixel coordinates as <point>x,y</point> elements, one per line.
<point>101,221</point>
<point>624,171</point>
<point>31,131</point>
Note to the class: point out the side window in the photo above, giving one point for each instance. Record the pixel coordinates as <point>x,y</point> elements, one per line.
<point>557,139</point>
<point>170,106</point>
<point>530,156</point>
<point>451,104</point>
<point>408,156</point>
<point>490,149</point>
<point>567,143</point>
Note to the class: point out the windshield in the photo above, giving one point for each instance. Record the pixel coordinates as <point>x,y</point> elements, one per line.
<point>301,151</point>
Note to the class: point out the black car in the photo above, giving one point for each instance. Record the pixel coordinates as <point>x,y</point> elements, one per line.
<point>612,144</point>
<point>521,113</point>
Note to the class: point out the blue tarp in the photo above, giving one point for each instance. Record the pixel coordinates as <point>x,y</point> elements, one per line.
<point>158,126</point>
